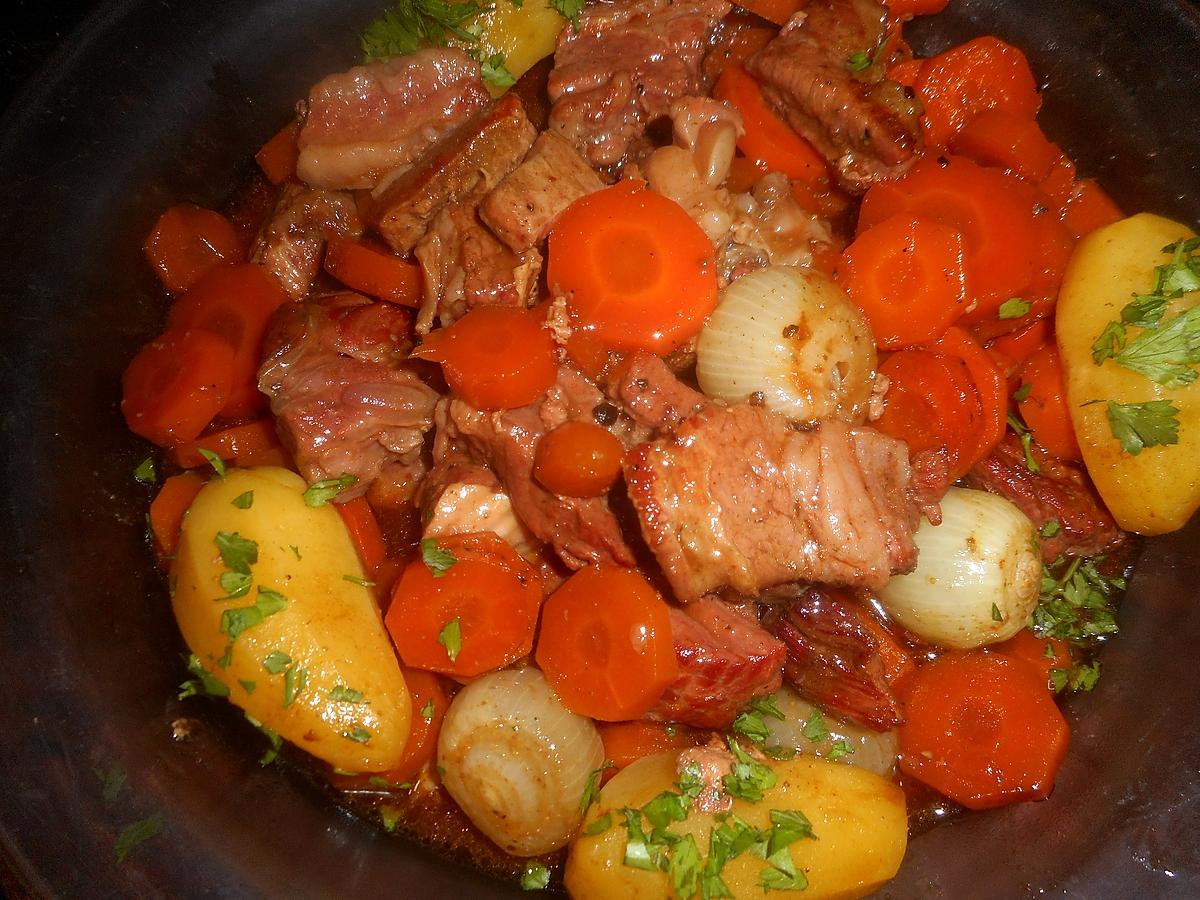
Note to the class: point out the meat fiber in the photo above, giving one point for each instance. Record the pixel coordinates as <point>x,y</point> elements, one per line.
<point>866,125</point>
<point>344,399</point>
<point>581,530</point>
<point>374,119</point>
<point>622,67</point>
<point>290,244</point>
<point>725,660</point>
<point>1058,493</point>
<point>737,499</point>
<point>653,396</point>
<point>835,659</point>
<point>468,163</point>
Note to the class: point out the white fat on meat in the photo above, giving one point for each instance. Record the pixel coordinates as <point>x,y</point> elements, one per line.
<point>464,508</point>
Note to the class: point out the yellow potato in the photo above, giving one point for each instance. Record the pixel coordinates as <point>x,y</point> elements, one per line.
<point>523,34</point>
<point>857,817</point>
<point>330,629</point>
<point>1157,490</point>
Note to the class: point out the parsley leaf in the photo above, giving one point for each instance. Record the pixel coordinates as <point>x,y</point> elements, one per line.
<point>1110,342</point>
<point>749,777</point>
<point>450,637</point>
<point>787,827</point>
<point>814,728</point>
<point>782,874</point>
<point>858,62</point>
<point>601,824</point>
<point>1082,677</point>
<point>1021,394</point>
<point>495,73</point>
<point>1026,439</point>
<point>362,582</point>
<point>244,500</point>
<point>274,740</point>
<point>218,464</point>
<point>1050,529</point>
<point>342,694</point>
<point>427,710</point>
<point>1014,308</point>
<point>997,616</point>
<point>568,9</point>
<point>203,684</point>
<point>437,560</point>
<point>237,553</point>
<point>1166,354</point>
<point>235,622</point>
<point>321,492</point>
<point>146,473</point>
<point>410,25</point>
<point>839,749</point>
<point>357,734</point>
<point>591,790</point>
<point>536,877</point>
<point>277,662</point>
<point>111,782</point>
<point>1141,425</point>
<point>685,867</point>
<point>235,584</point>
<point>294,682</point>
<point>137,833</point>
<point>1076,605</point>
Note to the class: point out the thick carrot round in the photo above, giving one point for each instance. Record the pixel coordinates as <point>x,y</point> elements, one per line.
<point>907,276</point>
<point>578,459</point>
<point>990,386</point>
<point>494,357</point>
<point>627,742</point>
<point>373,270</point>
<point>186,242</point>
<point>168,508</point>
<point>970,79</point>
<point>236,303</point>
<point>932,403</point>
<point>1010,350</point>
<point>251,444</point>
<point>1089,208</point>
<point>1044,407</point>
<point>176,385</point>
<point>467,606</point>
<point>277,157</point>
<point>1041,653</point>
<point>982,729</point>
<point>634,268</point>
<point>605,644</point>
<point>993,211</point>
<point>768,139</point>
<point>1007,141</point>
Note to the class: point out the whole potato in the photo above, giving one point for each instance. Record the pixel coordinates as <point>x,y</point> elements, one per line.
<point>858,819</point>
<point>1158,489</point>
<point>317,666</point>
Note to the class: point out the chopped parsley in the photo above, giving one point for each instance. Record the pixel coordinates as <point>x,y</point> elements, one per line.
<point>1077,605</point>
<point>235,584</point>
<point>203,684</point>
<point>814,728</point>
<point>591,790</point>
<point>749,777</point>
<point>997,616</point>
<point>235,622</point>
<point>495,73</point>
<point>428,710</point>
<point>276,662</point>
<point>218,464</point>
<point>112,782</point>
<point>295,680</point>
<point>1050,529</point>
<point>1026,439</point>
<point>137,833</point>
<point>361,582</point>
<point>248,685</point>
<point>1021,394</point>
<point>568,9</point>
<point>321,492</point>
<point>437,560</point>
<point>244,500</point>
<point>409,25</point>
<point>146,472</point>
<point>859,62</point>
<point>342,694</point>
<point>237,553</point>
<point>1140,425</point>
<point>275,742</point>
<point>1014,308</point>
<point>536,877</point>
<point>601,824</point>
<point>358,734</point>
<point>839,749</point>
<point>450,637</point>
<point>226,657</point>
<point>389,818</point>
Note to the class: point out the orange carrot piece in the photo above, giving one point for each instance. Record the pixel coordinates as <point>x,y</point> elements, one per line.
<point>186,242</point>
<point>578,459</point>
<point>277,157</point>
<point>909,8</point>
<point>1013,142</point>
<point>1090,208</point>
<point>373,271</point>
<point>168,509</point>
<point>246,444</point>
<point>989,385</point>
<point>364,531</point>
<point>627,742</point>
<point>1042,653</point>
<point>777,11</point>
<point>1044,407</point>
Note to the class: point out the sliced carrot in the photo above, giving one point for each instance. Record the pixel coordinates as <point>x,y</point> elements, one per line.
<point>907,276</point>
<point>627,742</point>
<point>1009,351</point>
<point>982,729</point>
<point>246,444</point>
<point>364,531</point>
<point>1042,653</point>
<point>932,403</point>
<point>1090,208</point>
<point>1056,188</point>
<point>168,508</point>
<point>605,644</point>
<point>176,385</point>
<point>982,74</point>
<point>494,357</point>
<point>906,72</point>
<point>277,157</point>
<point>1044,408</point>
<point>989,384</point>
<point>634,267</point>
<point>236,303</point>
<point>994,212</point>
<point>188,241</point>
<point>821,198</point>
<point>1013,142</point>
<point>587,352</point>
<point>578,459</point>
<point>471,608</point>
<point>901,8</point>
<point>767,138</point>
<point>373,271</point>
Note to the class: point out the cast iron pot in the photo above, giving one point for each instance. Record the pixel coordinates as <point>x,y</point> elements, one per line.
<point>153,103</point>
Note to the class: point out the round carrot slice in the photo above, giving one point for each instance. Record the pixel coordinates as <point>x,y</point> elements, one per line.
<point>578,459</point>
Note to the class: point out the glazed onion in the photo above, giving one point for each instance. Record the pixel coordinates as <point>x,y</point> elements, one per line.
<point>517,761</point>
<point>978,574</point>
<point>794,337</point>
<point>871,750</point>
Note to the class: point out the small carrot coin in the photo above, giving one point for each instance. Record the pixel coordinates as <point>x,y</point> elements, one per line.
<point>578,459</point>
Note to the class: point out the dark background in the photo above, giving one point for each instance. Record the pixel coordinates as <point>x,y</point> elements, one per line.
<point>29,31</point>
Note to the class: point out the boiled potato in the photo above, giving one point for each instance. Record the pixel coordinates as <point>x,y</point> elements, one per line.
<point>347,701</point>
<point>523,35</point>
<point>857,817</point>
<point>1157,490</point>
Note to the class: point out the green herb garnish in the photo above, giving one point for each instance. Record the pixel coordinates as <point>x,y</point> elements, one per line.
<point>536,877</point>
<point>342,694</point>
<point>244,500</point>
<point>137,833</point>
<point>1014,308</point>
<point>1140,425</point>
<point>437,560</point>
<point>321,492</point>
<point>450,637</point>
<point>237,553</point>
<point>146,472</point>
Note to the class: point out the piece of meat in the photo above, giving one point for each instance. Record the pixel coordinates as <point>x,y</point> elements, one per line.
<point>866,125</point>
<point>737,499</point>
<point>771,228</point>
<point>464,266</point>
<point>522,208</point>
<point>653,396</point>
<point>470,162</point>
<point>725,661</point>
<point>834,658</point>
<point>374,119</point>
<point>738,36</point>
<point>711,763</point>
<point>1059,493</point>
<point>621,69</point>
<point>344,398</point>
<point>290,244</point>
<point>581,530</point>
